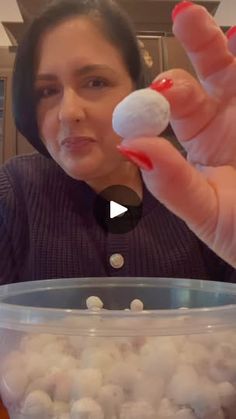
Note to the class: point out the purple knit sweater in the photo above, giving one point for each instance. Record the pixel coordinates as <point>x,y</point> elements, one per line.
<point>48,230</point>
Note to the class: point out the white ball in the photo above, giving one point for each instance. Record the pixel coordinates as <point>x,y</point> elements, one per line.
<point>227,394</point>
<point>86,408</point>
<point>123,374</point>
<point>167,410</point>
<point>185,413</point>
<point>94,303</point>
<point>136,305</point>
<point>86,383</point>
<point>37,405</point>
<point>111,396</point>
<point>143,113</point>
<point>137,410</point>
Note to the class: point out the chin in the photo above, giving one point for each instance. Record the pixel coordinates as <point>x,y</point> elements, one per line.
<point>82,173</point>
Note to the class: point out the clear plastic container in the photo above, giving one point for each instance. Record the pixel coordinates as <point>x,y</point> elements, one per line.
<point>176,359</point>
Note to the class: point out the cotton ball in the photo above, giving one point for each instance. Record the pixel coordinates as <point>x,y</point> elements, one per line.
<point>124,375</point>
<point>183,385</point>
<point>101,358</point>
<point>222,365</point>
<point>206,401</point>
<point>94,303</point>
<point>136,305</point>
<point>132,359</point>
<point>150,389</point>
<point>227,394</point>
<point>143,112</point>
<point>12,385</point>
<point>37,405</point>
<point>65,362</point>
<point>186,388</point>
<point>209,340</point>
<point>185,413</point>
<point>59,408</point>
<point>110,397</point>
<point>36,365</point>
<point>137,410</point>
<point>195,354</point>
<point>63,416</point>
<point>159,357</point>
<point>63,385</point>
<point>216,415</point>
<point>36,342</point>
<point>86,408</point>
<point>86,383</point>
<point>45,384</point>
<point>167,410</point>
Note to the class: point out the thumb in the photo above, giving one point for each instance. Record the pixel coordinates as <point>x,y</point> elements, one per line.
<point>174,182</point>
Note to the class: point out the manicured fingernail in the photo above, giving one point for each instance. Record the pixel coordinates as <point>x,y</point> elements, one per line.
<point>136,157</point>
<point>160,85</point>
<point>179,7</point>
<point>231,32</point>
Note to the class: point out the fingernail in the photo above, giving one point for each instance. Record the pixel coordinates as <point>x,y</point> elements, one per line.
<point>231,32</point>
<point>136,157</point>
<point>179,7</point>
<point>160,85</point>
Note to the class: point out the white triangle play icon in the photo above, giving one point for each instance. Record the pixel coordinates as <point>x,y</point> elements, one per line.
<point>116,209</point>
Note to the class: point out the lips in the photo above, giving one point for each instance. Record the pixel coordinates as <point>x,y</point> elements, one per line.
<point>76,142</point>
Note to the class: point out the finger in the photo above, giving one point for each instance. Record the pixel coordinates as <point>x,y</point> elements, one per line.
<point>231,36</point>
<point>182,189</point>
<point>192,108</point>
<point>206,46</point>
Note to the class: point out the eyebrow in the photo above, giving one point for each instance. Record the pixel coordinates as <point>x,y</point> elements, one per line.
<point>78,72</point>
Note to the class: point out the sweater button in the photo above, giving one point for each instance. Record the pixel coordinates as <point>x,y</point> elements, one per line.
<point>116,260</point>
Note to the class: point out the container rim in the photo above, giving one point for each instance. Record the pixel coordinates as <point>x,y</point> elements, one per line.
<point>98,323</point>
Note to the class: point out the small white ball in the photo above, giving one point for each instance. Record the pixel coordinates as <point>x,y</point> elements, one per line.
<point>137,410</point>
<point>124,375</point>
<point>167,409</point>
<point>143,113</point>
<point>185,413</point>
<point>37,405</point>
<point>111,397</point>
<point>94,303</point>
<point>60,408</point>
<point>136,305</point>
<point>86,408</point>
<point>227,394</point>
<point>184,385</point>
<point>86,383</point>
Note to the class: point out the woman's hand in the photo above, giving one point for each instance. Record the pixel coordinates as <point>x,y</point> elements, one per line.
<point>201,190</point>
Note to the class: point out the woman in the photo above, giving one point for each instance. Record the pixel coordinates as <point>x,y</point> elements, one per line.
<point>78,60</point>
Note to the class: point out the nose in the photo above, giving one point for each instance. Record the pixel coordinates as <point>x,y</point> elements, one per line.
<point>71,108</point>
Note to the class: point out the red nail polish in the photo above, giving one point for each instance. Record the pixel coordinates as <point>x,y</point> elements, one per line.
<point>179,7</point>
<point>231,32</point>
<point>160,85</point>
<point>136,157</point>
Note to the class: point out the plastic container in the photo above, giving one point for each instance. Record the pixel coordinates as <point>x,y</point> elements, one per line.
<point>176,359</point>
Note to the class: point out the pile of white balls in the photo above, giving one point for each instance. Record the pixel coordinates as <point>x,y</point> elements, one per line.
<point>136,377</point>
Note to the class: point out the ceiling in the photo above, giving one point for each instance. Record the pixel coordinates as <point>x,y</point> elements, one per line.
<point>147,15</point>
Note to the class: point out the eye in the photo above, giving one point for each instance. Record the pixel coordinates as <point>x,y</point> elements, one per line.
<point>46,92</point>
<point>97,83</point>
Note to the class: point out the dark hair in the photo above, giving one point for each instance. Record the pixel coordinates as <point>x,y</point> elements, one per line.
<point>115,24</point>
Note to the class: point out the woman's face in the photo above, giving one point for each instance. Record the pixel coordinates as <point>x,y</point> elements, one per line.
<point>80,78</point>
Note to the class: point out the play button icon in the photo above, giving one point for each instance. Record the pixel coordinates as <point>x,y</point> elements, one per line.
<point>118,209</point>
